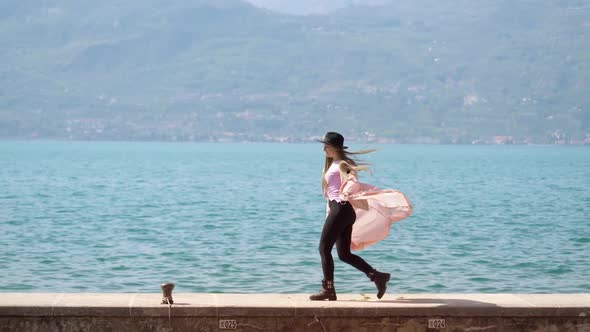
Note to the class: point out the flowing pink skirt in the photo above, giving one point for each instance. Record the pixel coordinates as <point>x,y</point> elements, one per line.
<point>376,210</point>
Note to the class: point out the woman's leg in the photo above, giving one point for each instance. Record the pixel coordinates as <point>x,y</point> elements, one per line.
<point>343,246</point>
<point>327,240</point>
<point>329,236</point>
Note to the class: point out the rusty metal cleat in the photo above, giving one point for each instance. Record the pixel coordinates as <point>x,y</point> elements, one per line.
<point>167,293</point>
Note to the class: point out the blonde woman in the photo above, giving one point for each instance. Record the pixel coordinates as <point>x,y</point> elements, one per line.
<point>347,198</point>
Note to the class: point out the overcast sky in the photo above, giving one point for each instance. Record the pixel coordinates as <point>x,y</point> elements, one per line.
<point>305,7</point>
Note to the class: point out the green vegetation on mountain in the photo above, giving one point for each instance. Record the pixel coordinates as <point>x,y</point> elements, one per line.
<point>409,71</point>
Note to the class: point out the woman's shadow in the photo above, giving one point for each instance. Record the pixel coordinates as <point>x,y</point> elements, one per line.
<point>450,302</point>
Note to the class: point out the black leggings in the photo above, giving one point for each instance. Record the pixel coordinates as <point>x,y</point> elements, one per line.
<point>338,230</point>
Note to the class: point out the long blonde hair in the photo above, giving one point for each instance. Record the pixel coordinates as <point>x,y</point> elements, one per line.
<point>348,163</point>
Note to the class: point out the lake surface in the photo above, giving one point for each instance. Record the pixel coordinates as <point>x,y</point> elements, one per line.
<point>246,218</point>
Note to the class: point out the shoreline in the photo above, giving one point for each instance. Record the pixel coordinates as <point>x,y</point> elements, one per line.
<point>302,142</point>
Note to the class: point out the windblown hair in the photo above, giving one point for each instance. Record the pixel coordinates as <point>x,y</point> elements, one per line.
<point>349,163</point>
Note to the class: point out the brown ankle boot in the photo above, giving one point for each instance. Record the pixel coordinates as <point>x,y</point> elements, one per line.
<point>380,279</point>
<point>327,293</point>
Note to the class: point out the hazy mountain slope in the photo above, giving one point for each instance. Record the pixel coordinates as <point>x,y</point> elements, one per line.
<point>410,70</point>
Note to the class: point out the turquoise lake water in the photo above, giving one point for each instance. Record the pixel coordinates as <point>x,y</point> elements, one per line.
<point>246,218</point>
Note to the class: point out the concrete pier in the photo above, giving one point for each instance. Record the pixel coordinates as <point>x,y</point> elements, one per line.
<point>294,312</point>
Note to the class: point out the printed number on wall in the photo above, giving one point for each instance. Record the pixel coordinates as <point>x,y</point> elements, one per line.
<point>228,324</point>
<point>437,323</point>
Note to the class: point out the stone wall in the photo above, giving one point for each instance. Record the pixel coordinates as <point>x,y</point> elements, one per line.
<point>293,312</point>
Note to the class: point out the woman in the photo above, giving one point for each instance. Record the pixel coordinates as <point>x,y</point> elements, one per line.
<point>347,198</point>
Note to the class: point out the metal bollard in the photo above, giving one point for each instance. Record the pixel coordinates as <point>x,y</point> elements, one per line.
<point>167,293</point>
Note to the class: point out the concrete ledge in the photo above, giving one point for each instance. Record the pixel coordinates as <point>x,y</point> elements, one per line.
<point>294,312</point>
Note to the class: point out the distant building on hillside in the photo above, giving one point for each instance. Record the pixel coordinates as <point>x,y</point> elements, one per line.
<point>503,140</point>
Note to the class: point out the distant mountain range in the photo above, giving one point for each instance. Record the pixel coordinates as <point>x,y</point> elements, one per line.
<point>488,71</point>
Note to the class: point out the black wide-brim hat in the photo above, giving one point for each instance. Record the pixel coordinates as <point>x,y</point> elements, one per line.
<point>333,139</point>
